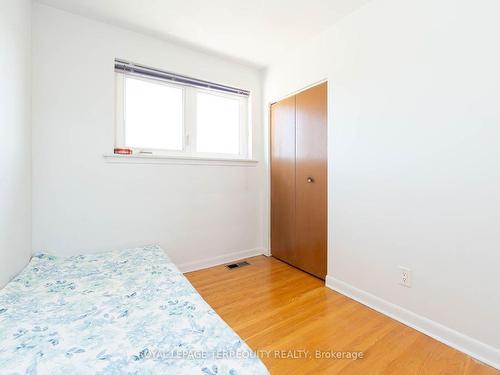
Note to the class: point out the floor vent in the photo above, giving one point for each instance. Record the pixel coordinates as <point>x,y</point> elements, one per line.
<point>237,265</point>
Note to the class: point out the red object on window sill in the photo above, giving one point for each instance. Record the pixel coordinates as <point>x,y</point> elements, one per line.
<point>123,151</point>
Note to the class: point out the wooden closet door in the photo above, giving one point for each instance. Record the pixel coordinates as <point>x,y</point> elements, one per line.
<point>311,180</point>
<point>283,180</point>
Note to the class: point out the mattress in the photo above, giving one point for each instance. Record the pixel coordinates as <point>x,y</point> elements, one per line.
<point>117,312</point>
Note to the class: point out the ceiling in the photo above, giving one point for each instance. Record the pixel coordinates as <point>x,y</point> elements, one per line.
<point>252,31</point>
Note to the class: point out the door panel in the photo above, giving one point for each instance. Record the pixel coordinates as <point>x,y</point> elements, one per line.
<point>283,180</point>
<point>311,196</point>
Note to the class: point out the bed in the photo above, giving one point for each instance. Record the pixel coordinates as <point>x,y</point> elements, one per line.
<point>117,312</point>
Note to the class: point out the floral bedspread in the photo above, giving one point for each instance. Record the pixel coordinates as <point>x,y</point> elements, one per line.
<point>117,312</point>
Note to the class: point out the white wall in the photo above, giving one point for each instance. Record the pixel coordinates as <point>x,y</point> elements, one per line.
<point>414,152</point>
<point>199,214</point>
<point>15,137</point>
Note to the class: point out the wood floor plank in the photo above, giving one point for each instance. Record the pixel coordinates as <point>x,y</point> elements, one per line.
<point>275,307</point>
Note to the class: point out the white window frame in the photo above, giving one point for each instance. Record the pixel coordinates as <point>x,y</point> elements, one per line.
<point>188,122</point>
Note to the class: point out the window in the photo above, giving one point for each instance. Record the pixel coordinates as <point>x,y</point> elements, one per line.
<point>160,115</point>
<point>217,124</point>
<point>153,115</point>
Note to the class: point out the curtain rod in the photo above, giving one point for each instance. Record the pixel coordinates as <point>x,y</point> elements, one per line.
<point>127,67</point>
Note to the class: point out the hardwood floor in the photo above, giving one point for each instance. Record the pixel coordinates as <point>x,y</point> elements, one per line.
<point>274,306</point>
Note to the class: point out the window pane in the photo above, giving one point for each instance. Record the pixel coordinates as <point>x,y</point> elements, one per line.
<point>217,124</point>
<point>153,115</point>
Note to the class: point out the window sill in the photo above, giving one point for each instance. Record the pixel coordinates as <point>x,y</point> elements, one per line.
<point>187,160</point>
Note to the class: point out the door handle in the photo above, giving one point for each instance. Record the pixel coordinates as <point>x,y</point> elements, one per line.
<point>310,180</point>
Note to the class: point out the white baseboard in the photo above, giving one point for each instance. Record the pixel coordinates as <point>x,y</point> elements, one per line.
<point>221,259</point>
<point>476,349</point>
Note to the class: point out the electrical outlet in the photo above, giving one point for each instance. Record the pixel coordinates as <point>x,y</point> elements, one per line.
<point>404,276</point>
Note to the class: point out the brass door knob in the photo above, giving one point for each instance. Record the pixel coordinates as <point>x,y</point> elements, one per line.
<point>310,180</point>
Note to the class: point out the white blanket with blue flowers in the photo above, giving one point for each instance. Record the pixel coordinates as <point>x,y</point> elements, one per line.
<point>118,312</point>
